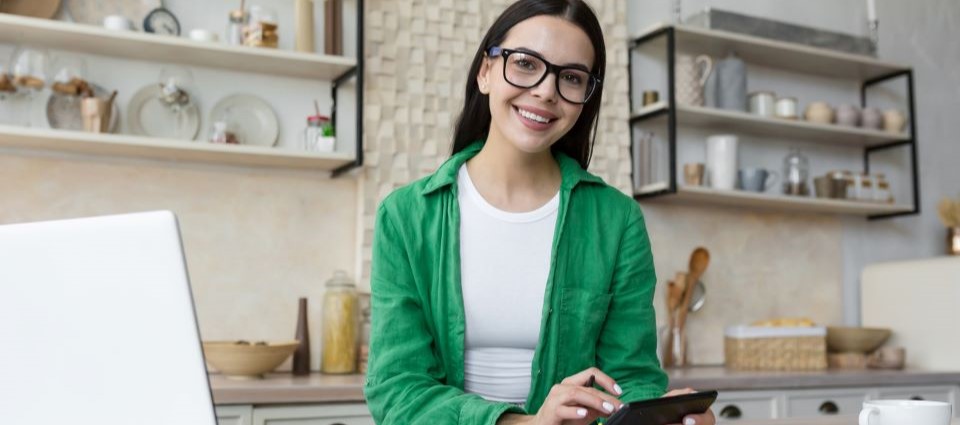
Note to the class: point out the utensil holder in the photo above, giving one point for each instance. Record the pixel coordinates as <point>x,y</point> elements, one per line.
<point>953,240</point>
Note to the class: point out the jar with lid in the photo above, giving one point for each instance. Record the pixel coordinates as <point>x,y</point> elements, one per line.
<point>236,22</point>
<point>881,191</point>
<point>866,188</point>
<point>339,350</point>
<point>796,172</point>
<point>318,136</point>
<point>261,30</point>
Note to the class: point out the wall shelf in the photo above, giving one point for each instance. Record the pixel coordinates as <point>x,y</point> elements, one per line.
<point>766,201</point>
<point>777,54</point>
<point>152,47</point>
<point>126,146</point>
<point>868,71</point>
<point>744,123</point>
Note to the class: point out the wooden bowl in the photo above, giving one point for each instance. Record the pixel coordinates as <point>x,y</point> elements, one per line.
<point>841,339</point>
<point>245,360</point>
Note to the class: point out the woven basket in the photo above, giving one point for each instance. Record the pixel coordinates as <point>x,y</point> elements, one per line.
<point>794,350</point>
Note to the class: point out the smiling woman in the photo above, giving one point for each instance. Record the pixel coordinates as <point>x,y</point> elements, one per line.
<point>511,286</point>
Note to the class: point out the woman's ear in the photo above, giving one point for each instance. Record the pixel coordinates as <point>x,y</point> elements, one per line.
<point>483,77</point>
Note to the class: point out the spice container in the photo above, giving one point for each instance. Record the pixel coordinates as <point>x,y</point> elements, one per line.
<point>235,25</point>
<point>881,191</point>
<point>339,349</point>
<point>261,31</point>
<point>866,187</point>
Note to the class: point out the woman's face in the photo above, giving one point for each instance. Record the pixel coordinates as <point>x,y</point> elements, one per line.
<point>533,119</point>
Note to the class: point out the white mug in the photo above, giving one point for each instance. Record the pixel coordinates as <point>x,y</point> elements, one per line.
<point>905,412</point>
<point>117,23</point>
<point>722,161</point>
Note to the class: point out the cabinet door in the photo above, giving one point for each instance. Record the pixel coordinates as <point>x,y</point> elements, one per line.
<point>318,414</point>
<point>240,414</point>
<point>825,402</point>
<point>936,393</point>
<point>732,406</point>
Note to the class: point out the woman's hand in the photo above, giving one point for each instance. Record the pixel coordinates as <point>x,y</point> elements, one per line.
<point>573,402</point>
<point>702,419</point>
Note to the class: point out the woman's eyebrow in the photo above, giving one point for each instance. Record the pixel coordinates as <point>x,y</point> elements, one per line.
<point>576,65</point>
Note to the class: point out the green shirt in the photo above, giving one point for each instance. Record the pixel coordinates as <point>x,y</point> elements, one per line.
<point>598,303</point>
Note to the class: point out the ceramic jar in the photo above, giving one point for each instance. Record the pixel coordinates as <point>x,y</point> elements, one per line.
<point>786,108</point>
<point>894,121</point>
<point>871,118</point>
<point>819,112</point>
<point>848,115</point>
<point>762,103</point>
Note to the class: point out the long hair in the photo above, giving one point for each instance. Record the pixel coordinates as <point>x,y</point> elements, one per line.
<point>474,120</point>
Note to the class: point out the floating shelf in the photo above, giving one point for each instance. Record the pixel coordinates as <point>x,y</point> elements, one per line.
<point>783,203</point>
<point>778,54</point>
<point>744,123</point>
<point>166,149</point>
<point>152,47</point>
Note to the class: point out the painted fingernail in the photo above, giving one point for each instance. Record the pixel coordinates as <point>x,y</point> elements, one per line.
<point>621,406</point>
<point>581,412</point>
<point>617,389</point>
<point>689,421</point>
<point>608,406</point>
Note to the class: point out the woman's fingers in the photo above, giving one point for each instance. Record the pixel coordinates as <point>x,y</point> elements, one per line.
<point>572,395</point>
<point>602,379</point>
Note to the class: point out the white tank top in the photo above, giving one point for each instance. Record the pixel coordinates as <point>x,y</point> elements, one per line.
<point>505,263</point>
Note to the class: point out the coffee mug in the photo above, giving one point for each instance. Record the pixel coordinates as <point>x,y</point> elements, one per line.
<point>722,161</point>
<point>756,179</point>
<point>905,412</point>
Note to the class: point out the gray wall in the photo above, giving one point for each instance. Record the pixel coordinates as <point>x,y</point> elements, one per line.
<point>915,33</point>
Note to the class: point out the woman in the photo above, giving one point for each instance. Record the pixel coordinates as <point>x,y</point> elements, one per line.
<point>511,280</point>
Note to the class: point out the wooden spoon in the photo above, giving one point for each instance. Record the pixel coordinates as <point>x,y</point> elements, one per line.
<point>699,260</point>
<point>673,300</point>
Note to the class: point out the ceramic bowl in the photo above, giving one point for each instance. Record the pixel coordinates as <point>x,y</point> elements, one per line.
<point>842,339</point>
<point>245,360</point>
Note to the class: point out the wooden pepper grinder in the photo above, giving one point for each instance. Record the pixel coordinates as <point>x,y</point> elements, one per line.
<point>301,357</point>
<point>303,10</point>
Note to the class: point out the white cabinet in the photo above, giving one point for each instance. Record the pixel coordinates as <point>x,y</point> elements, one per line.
<point>746,405</point>
<point>824,402</point>
<point>732,406</point>
<point>942,393</point>
<point>234,415</point>
<point>334,414</point>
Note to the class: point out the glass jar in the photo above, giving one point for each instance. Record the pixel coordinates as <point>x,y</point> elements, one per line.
<point>261,30</point>
<point>235,24</point>
<point>339,345</point>
<point>222,135</point>
<point>881,191</point>
<point>796,173</point>
<point>866,187</point>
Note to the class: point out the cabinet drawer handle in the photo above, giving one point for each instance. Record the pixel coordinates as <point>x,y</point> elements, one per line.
<point>829,408</point>
<point>731,412</point>
<point>916,397</point>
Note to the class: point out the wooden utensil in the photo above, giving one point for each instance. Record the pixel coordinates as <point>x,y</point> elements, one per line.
<point>673,300</point>
<point>699,260</point>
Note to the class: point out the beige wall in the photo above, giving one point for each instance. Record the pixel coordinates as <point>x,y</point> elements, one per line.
<point>255,240</point>
<point>417,56</point>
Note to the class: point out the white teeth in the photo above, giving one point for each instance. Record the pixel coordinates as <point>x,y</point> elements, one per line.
<point>532,116</point>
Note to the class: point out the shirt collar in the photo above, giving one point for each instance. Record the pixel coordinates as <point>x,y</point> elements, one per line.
<point>570,171</point>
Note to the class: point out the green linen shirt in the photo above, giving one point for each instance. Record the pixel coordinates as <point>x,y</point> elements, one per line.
<point>598,302</point>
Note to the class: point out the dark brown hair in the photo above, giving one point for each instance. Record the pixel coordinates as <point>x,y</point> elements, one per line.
<point>474,121</point>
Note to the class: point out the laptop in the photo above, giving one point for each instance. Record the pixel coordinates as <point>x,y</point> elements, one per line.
<point>97,324</point>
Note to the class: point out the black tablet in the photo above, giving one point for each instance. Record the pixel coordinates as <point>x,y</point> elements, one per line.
<point>664,410</point>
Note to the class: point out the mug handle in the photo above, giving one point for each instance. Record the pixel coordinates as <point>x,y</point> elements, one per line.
<point>707,64</point>
<point>865,415</point>
<point>772,178</point>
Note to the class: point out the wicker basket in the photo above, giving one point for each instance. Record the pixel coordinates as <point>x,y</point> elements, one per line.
<point>764,348</point>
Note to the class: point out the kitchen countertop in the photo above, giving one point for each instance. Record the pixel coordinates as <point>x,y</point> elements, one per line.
<point>279,388</point>
<point>720,378</point>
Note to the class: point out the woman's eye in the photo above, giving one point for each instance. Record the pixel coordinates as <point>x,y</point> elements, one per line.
<point>572,79</point>
<point>524,63</point>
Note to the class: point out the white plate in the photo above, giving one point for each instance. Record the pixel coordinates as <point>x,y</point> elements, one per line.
<point>63,112</point>
<point>148,116</point>
<point>92,12</point>
<point>249,117</point>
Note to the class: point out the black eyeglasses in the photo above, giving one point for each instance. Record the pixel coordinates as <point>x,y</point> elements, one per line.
<point>527,70</point>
